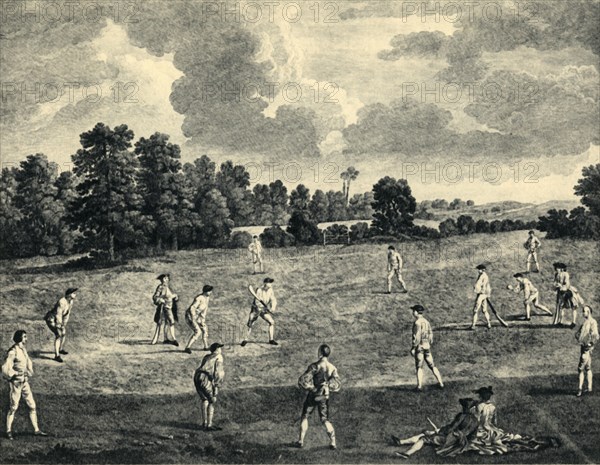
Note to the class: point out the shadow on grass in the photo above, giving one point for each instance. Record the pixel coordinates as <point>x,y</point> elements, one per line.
<point>259,424</point>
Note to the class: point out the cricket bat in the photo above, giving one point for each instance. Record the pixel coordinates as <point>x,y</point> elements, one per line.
<point>253,292</point>
<point>502,322</point>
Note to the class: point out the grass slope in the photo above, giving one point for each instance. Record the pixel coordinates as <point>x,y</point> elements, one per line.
<point>118,399</point>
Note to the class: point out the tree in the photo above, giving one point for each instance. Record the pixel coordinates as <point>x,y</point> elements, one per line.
<point>36,198</point>
<point>588,188</point>
<point>360,206</point>
<point>303,229</point>
<point>162,186</point>
<point>66,194</point>
<point>263,210</point>
<point>394,206</point>
<point>482,226</point>
<point>216,221</point>
<point>319,206</point>
<point>107,209</point>
<point>11,236</point>
<point>448,227</point>
<point>457,204</point>
<point>300,198</point>
<point>465,225</point>
<point>347,177</point>
<point>200,177</point>
<point>470,203</point>
<point>232,180</point>
<point>440,204</point>
<point>336,206</point>
<point>279,202</point>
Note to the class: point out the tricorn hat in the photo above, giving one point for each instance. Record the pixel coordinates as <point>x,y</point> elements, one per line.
<point>418,308</point>
<point>467,402</point>
<point>482,391</point>
<point>207,288</point>
<point>71,290</point>
<point>268,280</point>
<point>481,267</point>
<point>518,275</point>
<point>164,275</point>
<point>215,345</point>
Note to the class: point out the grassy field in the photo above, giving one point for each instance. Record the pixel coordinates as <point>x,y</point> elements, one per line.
<point>118,399</point>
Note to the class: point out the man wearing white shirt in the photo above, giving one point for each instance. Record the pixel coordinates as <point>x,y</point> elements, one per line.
<point>394,267</point>
<point>255,249</point>
<point>482,293</point>
<point>57,320</point>
<point>531,295</point>
<point>263,307</point>
<point>195,317</point>
<point>587,337</point>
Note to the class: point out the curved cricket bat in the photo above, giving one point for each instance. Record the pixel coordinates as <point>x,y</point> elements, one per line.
<point>253,292</point>
<point>502,322</point>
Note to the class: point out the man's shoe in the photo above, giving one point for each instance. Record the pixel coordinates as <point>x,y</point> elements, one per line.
<point>166,341</point>
<point>40,433</point>
<point>187,350</point>
<point>243,344</point>
<point>175,343</point>
<point>405,291</point>
<point>298,445</point>
<point>395,440</point>
<point>63,352</point>
<point>58,359</point>
<point>441,386</point>
<point>418,389</point>
<point>471,328</point>
<point>400,454</point>
<point>572,325</point>
<point>579,393</point>
<point>388,292</point>
<point>9,436</point>
<point>332,446</point>
<point>273,342</point>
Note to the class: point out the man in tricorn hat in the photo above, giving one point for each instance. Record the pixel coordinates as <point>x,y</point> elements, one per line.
<point>263,306</point>
<point>195,317</point>
<point>165,300</point>
<point>482,293</point>
<point>207,379</point>
<point>57,320</point>
<point>421,346</point>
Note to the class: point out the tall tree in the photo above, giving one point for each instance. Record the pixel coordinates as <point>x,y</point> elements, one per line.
<point>216,221</point>
<point>11,237</point>
<point>263,209</point>
<point>232,180</point>
<point>107,210</point>
<point>279,203</point>
<point>348,176</point>
<point>394,206</point>
<point>162,186</point>
<point>319,206</point>
<point>588,188</point>
<point>336,204</point>
<point>36,197</point>
<point>66,194</point>
<point>299,198</point>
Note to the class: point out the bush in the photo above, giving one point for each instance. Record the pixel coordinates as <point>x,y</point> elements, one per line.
<point>239,240</point>
<point>305,231</point>
<point>359,232</point>
<point>425,232</point>
<point>276,237</point>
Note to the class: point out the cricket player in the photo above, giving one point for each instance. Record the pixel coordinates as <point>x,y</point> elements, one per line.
<point>57,320</point>
<point>587,337</point>
<point>319,380</point>
<point>164,299</point>
<point>255,249</point>
<point>421,346</point>
<point>17,369</point>
<point>483,291</point>
<point>394,267</point>
<point>195,317</point>
<point>207,379</point>
<point>532,245</point>
<point>564,294</point>
<point>263,307</point>
<point>531,295</point>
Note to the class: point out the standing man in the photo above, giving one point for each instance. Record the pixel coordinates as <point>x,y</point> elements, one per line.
<point>57,320</point>
<point>195,317</point>
<point>165,315</point>
<point>421,346</point>
<point>263,306</point>
<point>587,337</point>
<point>319,380</point>
<point>532,245</point>
<point>255,249</point>
<point>17,369</point>
<point>564,294</point>
<point>394,267</point>
<point>483,291</point>
<point>207,379</point>
<point>531,295</point>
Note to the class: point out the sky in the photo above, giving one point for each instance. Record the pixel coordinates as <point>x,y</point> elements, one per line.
<point>499,102</point>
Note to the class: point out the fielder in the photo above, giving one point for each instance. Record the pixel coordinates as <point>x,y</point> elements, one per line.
<point>483,291</point>
<point>422,338</point>
<point>564,294</point>
<point>319,380</point>
<point>532,245</point>
<point>394,267</point>
<point>57,320</point>
<point>207,379</point>
<point>263,306</point>
<point>255,249</point>
<point>587,337</point>
<point>164,299</point>
<point>17,369</point>
<point>531,295</point>
<point>195,317</point>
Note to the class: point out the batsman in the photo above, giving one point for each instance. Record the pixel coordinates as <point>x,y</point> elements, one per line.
<point>263,306</point>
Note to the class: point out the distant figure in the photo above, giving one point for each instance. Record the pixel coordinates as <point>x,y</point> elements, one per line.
<point>195,317</point>
<point>450,440</point>
<point>422,338</point>
<point>587,337</point>
<point>532,245</point>
<point>165,315</point>
<point>255,249</point>
<point>483,291</point>
<point>207,379</point>
<point>319,380</point>
<point>530,293</point>
<point>394,267</point>
<point>564,294</point>
<point>263,306</point>
<point>57,320</point>
<point>17,369</point>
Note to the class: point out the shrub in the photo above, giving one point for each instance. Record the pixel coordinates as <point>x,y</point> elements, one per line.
<point>305,231</point>
<point>276,237</point>
<point>239,240</point>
